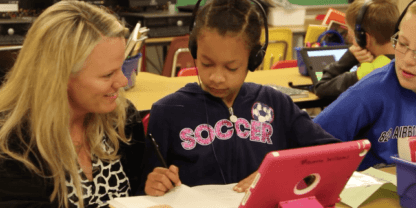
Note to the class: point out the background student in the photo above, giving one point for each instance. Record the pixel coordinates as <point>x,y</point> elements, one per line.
<point>218,132</point>
<point>371,47</point>
<point>68,138</point>
<point>381,107</point>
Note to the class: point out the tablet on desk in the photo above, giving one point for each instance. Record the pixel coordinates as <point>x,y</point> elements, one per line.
<point>316,59</point>
<point>305,177</point>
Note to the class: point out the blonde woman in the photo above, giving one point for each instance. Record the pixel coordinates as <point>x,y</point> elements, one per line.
<point>66,131</point>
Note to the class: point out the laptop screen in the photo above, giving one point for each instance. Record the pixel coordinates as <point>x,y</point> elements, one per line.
<point>316,59</point>
<point>336,53</point>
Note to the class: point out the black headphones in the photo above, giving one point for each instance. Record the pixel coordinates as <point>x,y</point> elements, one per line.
<point>401,17</point>
<point>256,54</point>
<point>359,31</point>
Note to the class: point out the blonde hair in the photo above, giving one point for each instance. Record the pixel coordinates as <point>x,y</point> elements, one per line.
<point>379,19</point>
<point>35,100</point>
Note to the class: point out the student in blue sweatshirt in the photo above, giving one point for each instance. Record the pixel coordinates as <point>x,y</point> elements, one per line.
<point>381,106</point>
<point>219,130</point>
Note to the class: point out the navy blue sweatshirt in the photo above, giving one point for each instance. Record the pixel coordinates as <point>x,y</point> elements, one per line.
<point>267,120</point>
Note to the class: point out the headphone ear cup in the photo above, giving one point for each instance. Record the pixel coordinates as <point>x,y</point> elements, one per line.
<point>360,38</point>
<point>359,31</point>
<point>192,46</point>
<point>255,58</point>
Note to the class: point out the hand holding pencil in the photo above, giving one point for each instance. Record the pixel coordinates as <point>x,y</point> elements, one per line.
<point>162,179</point>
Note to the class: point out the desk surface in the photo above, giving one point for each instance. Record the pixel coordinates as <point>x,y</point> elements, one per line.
<point>149,87</point>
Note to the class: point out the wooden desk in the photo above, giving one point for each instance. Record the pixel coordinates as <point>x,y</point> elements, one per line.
<point>158,41</point>
<point>149,87</point>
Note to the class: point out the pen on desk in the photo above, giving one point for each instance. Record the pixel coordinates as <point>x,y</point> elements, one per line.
<point>156,146</point>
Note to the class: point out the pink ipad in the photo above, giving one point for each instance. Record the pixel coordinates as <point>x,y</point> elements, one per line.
<point>305,177</point>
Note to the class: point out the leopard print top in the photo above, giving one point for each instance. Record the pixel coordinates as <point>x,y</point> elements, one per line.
<point>109,181</point>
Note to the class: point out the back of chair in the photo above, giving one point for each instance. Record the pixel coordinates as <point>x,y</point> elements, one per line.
<point>285,64</point>
<point>145,121</point>
<point>178,56</point>
<point>187,72</point>
<point>279,48</point>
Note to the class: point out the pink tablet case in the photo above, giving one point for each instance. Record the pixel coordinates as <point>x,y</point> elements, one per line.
<point>279,180</point>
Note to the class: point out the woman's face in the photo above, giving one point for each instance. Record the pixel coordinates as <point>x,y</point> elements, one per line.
<point>94,89</point>
<point>222,64</point>
<point>405,62</point>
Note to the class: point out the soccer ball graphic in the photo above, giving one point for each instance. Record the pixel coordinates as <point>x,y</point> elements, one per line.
<point>261,112</point>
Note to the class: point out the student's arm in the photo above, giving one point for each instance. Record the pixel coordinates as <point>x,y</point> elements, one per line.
<point>303,132</point>
<point>349,114</point>
<point>336,77</point>
<point>21,188</point>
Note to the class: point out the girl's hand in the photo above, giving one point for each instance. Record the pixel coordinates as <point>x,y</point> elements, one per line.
<point>243,185</point>
<point>161,180</point>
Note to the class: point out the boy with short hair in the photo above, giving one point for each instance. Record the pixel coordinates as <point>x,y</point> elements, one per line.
<point>381,107</point>
<point>370,26</point>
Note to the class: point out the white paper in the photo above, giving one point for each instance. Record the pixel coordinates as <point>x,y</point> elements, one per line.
<point>363,184</point>
<point>404,149</point>
<point>359,179</point>
<point>222,193</point>
<point>206,196</point>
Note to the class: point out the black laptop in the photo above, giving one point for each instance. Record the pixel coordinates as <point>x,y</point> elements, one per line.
<point>316,59</point>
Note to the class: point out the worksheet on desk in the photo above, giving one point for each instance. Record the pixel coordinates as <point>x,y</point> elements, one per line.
<point>205,196</point>
<point>222,193</point>
<point>363,184</point>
